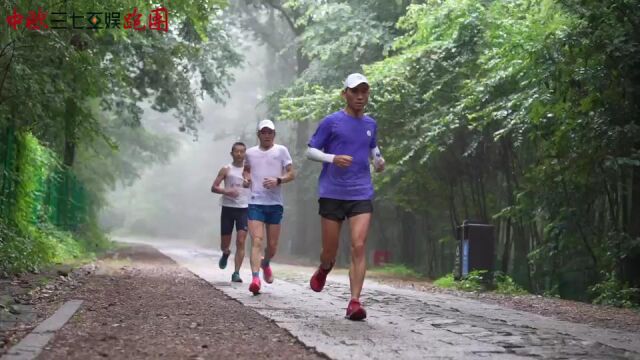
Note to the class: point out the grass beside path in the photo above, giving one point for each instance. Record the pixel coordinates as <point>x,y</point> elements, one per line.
<point>395,270</point>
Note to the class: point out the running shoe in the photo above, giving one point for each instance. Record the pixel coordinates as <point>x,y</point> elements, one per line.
<point>318,279</point>
<point>223,260</point>
<point>267,273</point>
<point>355,311</point>
<point>235,277</point>
<point>255,286</point>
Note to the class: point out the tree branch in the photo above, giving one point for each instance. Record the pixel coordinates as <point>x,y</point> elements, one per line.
<point>264,31</point>
<point>286,16</point>
<point>6,46</point>
<point>6,71</point>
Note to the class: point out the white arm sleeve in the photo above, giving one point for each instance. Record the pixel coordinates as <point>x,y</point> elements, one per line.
<point>317,155</point>
<point>375,153</point>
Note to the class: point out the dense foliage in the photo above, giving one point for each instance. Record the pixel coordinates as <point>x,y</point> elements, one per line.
<point>519,113</point>
<point>71,102</point>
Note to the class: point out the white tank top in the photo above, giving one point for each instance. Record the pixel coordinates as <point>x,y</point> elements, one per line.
<point>233,180</point>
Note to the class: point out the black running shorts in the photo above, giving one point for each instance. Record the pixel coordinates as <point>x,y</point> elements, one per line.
<point>335,209</point>
<point>229,216</point>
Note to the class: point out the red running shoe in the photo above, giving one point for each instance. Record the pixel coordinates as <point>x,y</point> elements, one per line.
<point>255,286</point>
<point>267,274</point>
<point>319,278</point>
<point>355,311</point>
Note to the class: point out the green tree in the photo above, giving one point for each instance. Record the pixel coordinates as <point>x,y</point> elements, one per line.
<point>523,114</point>
<point>81,92</point>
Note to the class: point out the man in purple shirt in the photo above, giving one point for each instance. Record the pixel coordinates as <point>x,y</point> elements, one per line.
<point>345,142</point>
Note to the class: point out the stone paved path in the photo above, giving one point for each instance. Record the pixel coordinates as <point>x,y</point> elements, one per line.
<point>404,323</point>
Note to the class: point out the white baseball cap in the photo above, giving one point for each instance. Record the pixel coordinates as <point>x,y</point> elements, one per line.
<point>354,80</point>
<point>266,123</point>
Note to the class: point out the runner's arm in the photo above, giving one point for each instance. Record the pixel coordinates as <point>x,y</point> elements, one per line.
<point>378,160</point>
<point>289,175</point>
<point>216,188</point>
<point>375,153</point>
<point>318,155</point>
<point>246,175</point>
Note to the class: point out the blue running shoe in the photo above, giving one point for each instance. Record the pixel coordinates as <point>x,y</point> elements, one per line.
<point>223,260</point>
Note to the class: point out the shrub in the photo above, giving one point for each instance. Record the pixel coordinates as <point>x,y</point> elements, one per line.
<point>612,292</point>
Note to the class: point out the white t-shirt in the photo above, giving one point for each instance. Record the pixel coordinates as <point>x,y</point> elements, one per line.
<point>233,180</point>
<point>263,164</point>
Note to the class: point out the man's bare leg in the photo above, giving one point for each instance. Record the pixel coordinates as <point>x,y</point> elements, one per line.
<point>273,235</point>
<point>330,241</point>
<point>359,225</point>
<point>256,229</point>
<point>241,237</point>
<point>225,244</point>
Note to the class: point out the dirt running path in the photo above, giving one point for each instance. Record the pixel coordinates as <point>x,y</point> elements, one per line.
<point>139,304</point>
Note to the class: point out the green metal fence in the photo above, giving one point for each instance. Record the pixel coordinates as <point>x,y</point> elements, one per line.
<point>60,199</point>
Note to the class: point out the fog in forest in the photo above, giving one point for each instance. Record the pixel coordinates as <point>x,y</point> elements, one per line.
<point>173,200</point>
<point>511,115</point>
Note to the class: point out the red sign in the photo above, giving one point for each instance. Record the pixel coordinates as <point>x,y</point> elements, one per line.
<point>157,19</point>
<point>381,257</point>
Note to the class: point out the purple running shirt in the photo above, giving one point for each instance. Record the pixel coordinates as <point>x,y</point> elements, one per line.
<point>343,134</point>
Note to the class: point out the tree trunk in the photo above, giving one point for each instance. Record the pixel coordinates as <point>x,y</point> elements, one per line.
<point>302,62</point>
<point>521,250</point>
<point>464,199</point>
<point>631,264</point>
<point>408,237</point>
<point>506,251</point>
<point>8,156</point>
<point>69,154</point>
